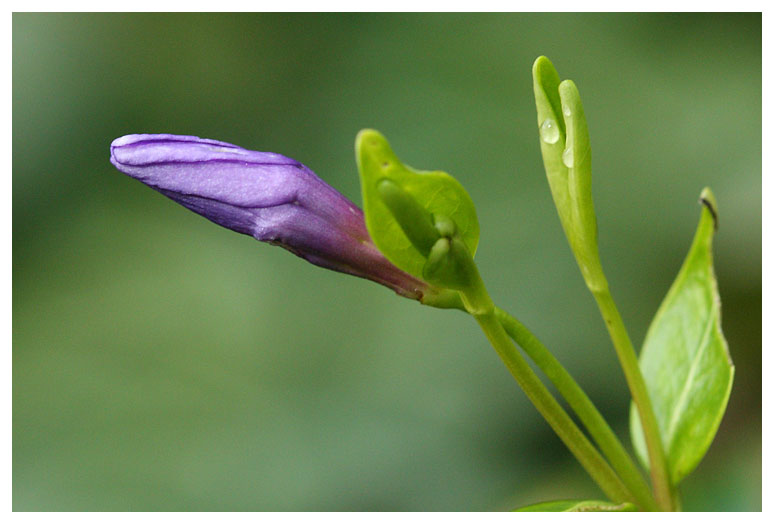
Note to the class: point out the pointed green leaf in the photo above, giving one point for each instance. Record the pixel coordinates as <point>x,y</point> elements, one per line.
<point>685,359</point>
<point>578,506</point>
<point>436,192</point>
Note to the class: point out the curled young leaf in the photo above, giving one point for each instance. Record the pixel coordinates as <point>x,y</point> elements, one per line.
<point>565,147</point>
<point>685,360</point>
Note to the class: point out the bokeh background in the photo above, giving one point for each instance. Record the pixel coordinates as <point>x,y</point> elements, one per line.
<point>161,362</point>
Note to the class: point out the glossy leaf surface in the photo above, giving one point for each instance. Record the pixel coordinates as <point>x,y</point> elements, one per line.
<point>685,360</point>
<point>578,506</point>
<point>435,191</point>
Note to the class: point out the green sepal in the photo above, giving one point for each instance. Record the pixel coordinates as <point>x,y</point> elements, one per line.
<point>436,192</point>
<point>566,152</point>
<point>578,506</point>
<point>685,359</point>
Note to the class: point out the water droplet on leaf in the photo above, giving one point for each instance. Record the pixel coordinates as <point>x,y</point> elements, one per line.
<point>549,131</point>
<point>567,157</point>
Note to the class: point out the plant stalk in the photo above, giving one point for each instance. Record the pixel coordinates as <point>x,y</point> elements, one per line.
<point>578,400</point>
<point>479,304</point>
<point>660,477</point>
<point>552,412</point>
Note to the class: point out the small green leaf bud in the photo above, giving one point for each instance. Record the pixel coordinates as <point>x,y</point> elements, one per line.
<point>444,225</point>
<point>414,220</point>
<point>450,264</point>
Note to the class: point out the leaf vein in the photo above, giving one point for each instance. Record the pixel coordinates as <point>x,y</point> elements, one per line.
<point>682,400</point>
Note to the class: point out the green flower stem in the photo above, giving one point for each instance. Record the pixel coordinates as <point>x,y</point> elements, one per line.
<point>551,410</point>
<point>660,477</point>
<point>597,426</point>
<point>479,304</point>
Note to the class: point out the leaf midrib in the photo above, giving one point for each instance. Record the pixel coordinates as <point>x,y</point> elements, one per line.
<point>678,407</point>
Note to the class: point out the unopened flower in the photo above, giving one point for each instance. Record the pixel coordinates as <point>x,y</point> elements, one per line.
<point>265,195</point>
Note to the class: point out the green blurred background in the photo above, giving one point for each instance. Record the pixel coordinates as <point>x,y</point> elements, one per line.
<point>161,362</point>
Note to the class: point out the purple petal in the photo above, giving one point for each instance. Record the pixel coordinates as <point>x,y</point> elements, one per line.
<point>266,195</point>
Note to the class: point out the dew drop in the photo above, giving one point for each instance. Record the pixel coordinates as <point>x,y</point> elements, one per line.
<point>567,157</point>
<point>566,111</point>
<point>549,131</point>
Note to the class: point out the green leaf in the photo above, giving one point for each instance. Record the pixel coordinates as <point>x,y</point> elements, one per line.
<point>685,360</point>
<point>572,505</point>
<point>566,151</point>
<point>436,192</point>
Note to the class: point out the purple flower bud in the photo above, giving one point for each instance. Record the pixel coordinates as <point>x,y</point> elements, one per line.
<point>266,195</point>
